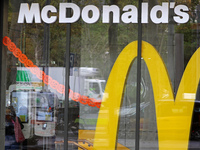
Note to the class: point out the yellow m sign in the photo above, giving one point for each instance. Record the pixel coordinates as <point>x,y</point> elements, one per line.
<point>173,115</point>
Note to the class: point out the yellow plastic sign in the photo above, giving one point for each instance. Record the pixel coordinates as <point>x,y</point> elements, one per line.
<point>173,115</point>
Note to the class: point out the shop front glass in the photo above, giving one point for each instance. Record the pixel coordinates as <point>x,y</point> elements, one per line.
<point>96,44</point>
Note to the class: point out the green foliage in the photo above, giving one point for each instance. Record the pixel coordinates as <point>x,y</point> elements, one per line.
<point>190,43</point>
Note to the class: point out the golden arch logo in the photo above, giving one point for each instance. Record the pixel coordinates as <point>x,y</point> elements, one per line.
<point>173,115</point>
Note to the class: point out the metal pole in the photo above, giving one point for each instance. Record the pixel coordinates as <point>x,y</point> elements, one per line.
<point>170,47</point>
<point>137,133</point>
<point>67,69</point>
<point>3,54</point>
<point>46,49</point>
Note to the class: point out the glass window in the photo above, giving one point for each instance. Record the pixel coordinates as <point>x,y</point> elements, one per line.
<point>94,87</point>
<point>101,58</point>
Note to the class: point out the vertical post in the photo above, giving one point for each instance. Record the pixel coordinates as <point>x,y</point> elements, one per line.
<point>46,49</point>
<point>137,133</point>
<point>170,46</point>
<point>179,59</point>
<point>67,69</point>
<point>3,27</point>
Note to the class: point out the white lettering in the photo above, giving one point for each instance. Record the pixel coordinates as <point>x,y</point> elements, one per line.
<point>172,5</point>
<point>106,13</point>
<point>44,14</point>
<point>130,16</point>
<point>164,13</point>
<point>62,13</point>
<point>29,14</point>
<point>110,13</point>
<point>144,12</point>
<point>95,14</point>
<point>183,16</point>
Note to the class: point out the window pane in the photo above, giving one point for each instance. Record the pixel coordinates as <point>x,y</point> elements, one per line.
<point>102,74</point>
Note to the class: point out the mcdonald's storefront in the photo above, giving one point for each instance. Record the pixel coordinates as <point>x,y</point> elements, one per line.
<point>100,74</point>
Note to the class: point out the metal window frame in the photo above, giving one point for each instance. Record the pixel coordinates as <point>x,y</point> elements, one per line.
<point>137,133</point>
<point>3,31</point>
<point>67,70</point>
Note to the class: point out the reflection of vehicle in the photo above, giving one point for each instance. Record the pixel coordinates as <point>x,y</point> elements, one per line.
<point>195,133</point>
<point>83,80</point>
<point>130,110</point>
<point>128,118</point>
<point>19,100</point>
<point>195,129</point>
<point>36,111</point>
<point>94,88</point>
<point>45,120</point>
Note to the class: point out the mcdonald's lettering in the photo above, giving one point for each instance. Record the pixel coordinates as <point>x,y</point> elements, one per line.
<point>173,126</point>
<point>31,14</point>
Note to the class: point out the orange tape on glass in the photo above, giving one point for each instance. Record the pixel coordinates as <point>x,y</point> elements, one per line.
<point>46,78</point>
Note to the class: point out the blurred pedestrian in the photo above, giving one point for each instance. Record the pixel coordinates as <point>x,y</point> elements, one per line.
<point>10,140</point>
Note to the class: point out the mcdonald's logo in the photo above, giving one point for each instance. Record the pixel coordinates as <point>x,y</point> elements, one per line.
<point>173,115</point>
